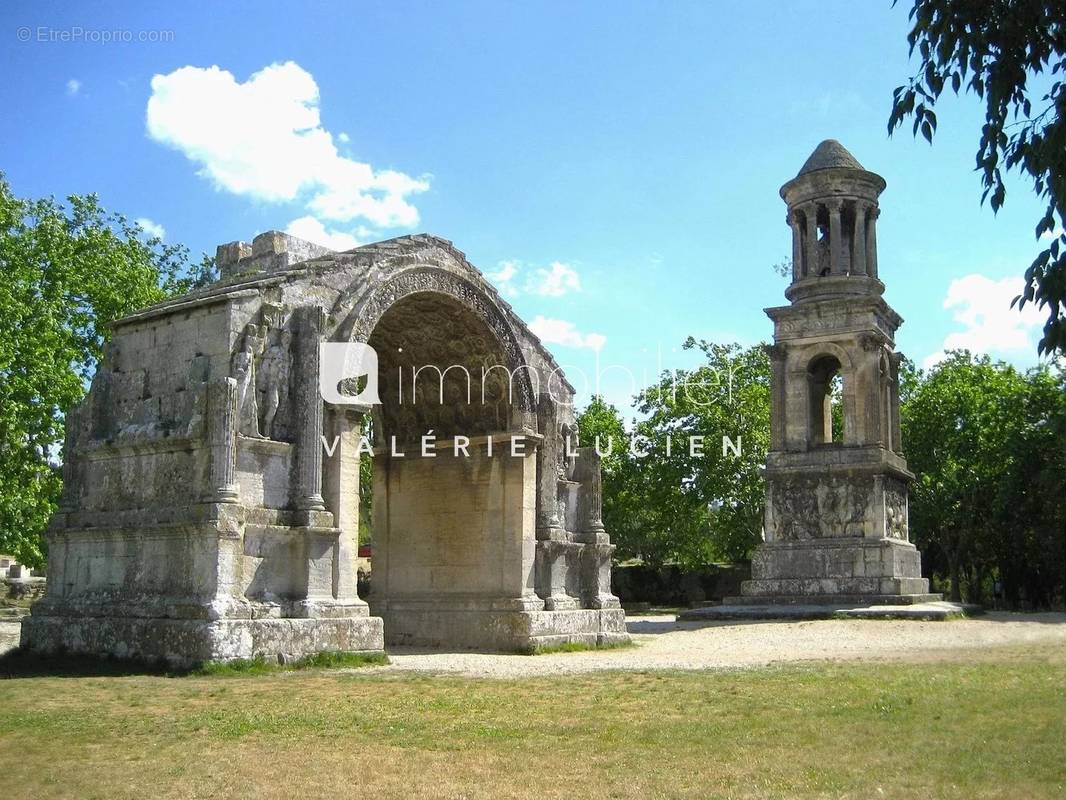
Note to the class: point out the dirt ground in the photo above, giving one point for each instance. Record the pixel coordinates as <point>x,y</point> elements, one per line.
<point>664,644</point>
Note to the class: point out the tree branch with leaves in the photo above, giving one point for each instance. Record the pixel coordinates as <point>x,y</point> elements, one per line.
<point>997,50</point>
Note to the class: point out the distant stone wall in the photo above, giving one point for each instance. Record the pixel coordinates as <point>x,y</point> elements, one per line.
<point>23,589</point>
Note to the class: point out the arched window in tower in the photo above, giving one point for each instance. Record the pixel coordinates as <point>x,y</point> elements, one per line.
<point>825,384</point>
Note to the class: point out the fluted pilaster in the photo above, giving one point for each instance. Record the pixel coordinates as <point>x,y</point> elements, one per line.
<point>549,453</point>
<point>222,441</point>
<point>590,506</point>
<point>308,411</point>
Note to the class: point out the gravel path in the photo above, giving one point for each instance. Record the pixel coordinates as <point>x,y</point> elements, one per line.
<point>666,644</point>
<point>9,635</point>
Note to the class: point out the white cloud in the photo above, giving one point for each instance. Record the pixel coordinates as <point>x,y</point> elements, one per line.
<point>555,281</point>
<point>313,230</point>
<point>343,138</point>
<point>562,332</point>
<point>982,306</point>
<point>73,86</point>
<point>264,138</point>
<point>504,276</point>
<point>152,229</point>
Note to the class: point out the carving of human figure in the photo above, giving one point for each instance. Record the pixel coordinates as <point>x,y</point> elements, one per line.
<point>273,380</point>
<point>247,407</point>
<point>566,460</point>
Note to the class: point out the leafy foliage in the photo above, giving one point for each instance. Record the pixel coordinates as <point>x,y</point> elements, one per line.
<point>698,504</point>
<point>995,49</point>
<point>69,272</point>
<point>987,445</point>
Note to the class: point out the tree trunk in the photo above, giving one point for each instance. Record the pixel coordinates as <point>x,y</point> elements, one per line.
<point>953,571</point>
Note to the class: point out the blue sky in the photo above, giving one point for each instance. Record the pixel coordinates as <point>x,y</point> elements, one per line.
<point>615,166</point>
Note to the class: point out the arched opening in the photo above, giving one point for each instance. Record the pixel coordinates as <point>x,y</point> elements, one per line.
<point>825,385</point>
<point>440,369</point>
<point>449,499</point>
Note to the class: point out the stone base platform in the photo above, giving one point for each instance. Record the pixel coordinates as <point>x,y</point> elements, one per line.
<point>837,599</point>
<point>836,571</point>
<point>186,642</point>
<point>503,631</point>
<point>935,610</point>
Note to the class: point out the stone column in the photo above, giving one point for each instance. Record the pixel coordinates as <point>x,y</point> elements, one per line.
<point>340,489</point>
<point>596,576</point>
<point>74,430</point>
<point>797,245</point>
<point>307,411</point>
<point>858,240</point>
<point>836,261</point>
<point>777,355</point>
<point>595,566</point>
<point>221,402</point>
<point>590,505</point>
<point>549,518</point>
<point>871,242</point>
<point>893,398</point>
<point>810,211</point>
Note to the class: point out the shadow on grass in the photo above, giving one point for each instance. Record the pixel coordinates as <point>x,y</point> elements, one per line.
<point>20,663</point>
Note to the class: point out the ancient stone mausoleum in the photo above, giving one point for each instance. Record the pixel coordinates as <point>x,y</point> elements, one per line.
<point>211,496</point>
<point>836,480</point>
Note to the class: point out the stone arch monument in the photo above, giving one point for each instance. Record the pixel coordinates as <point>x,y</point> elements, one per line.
<point>836,506</point>
<point>211,497</point>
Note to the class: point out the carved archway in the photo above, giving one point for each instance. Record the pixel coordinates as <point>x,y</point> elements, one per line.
<point>362,312</point>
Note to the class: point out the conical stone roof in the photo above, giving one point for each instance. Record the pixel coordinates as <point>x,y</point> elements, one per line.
<point>829,154</point>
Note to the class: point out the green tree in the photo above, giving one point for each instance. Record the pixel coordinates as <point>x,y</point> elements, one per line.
<point>1030,552</point>
<point>697,504</point>
<point>69,271</point>
<point>600,425</point>
<point>998,50</point>
<point>968,429</point>
<point>720,493</point>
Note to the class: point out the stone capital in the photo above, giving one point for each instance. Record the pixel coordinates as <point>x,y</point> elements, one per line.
<point>871,341</point>
<point>776,352</point>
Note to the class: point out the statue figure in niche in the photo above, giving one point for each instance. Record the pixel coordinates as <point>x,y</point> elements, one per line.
<point>273,380</point>
<point>244,372</point>
<point>567,452</point>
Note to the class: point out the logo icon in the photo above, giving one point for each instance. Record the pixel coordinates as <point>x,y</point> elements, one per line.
<point>348,373</point>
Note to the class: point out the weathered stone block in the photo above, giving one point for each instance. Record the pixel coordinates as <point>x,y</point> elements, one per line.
<point>201,520</point>
<point>836,501</point>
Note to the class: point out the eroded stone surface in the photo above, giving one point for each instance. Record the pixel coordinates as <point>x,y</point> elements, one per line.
<point>202,517</point>
<point>836,525</point>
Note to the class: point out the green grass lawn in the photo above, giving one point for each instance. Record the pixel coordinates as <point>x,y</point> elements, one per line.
<point>993,726</point>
